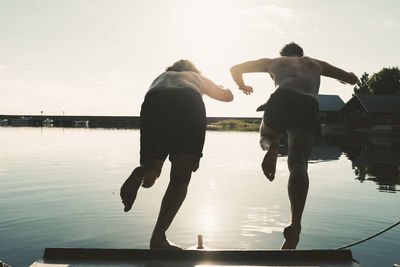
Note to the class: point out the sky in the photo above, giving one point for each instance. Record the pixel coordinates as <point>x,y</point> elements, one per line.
<point>98,57</point>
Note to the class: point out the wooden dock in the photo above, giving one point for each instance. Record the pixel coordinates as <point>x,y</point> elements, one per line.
<point>74,257</point>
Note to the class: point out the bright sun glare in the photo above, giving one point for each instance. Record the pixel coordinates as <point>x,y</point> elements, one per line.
<point>208,219</point>
<point>216,26</point>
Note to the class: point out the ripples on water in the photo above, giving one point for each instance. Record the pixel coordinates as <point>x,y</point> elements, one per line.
<point>60,187</point>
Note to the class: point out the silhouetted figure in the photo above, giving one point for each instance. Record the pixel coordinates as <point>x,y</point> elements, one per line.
<point>173,122</point>
<point>293,107</point>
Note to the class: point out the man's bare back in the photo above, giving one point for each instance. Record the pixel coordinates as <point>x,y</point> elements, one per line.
<point>298,74</point>
<point>193,80</point>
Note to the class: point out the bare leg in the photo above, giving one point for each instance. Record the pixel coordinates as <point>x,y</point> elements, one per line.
<point>181,172</point>
<point>269,140</point>
<point>142,175</point>
<point>300,147</point>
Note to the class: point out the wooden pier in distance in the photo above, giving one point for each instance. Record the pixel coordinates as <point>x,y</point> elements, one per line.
<point>127,122</point>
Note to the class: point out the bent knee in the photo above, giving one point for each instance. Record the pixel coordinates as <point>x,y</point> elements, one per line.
<point>150,171</point>
<point>157,172</point>
<point>151,174</point>
<point>153,168</point>
<point>265,143</point>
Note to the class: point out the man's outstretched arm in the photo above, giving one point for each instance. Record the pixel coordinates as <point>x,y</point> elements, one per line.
<point>339,74</point>
<point>217,92</point>
<point>237,71</point>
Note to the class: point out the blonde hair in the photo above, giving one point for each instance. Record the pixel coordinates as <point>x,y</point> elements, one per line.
<point>183,65</point>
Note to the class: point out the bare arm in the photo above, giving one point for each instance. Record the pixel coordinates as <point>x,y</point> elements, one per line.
<point>216,91</point>
<point>237,71</point>
<point>339,74</point>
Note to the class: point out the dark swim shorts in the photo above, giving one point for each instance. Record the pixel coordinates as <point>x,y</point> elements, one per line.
<point>172,121</point>
<point>287,110</point>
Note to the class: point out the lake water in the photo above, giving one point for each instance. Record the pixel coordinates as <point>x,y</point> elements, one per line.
<point>60,188</point>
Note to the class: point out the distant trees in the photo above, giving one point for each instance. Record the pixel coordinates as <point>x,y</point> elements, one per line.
<point>362,86</point>
<point>385,82</point>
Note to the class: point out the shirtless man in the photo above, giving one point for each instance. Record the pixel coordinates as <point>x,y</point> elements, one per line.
<point>173,122</point>
<point>293,107</point>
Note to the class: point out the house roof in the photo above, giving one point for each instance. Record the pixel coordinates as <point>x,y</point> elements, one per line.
<point>380,103</point>
<point>330,102</point>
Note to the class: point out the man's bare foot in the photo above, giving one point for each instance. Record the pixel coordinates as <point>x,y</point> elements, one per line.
<point>131,186</point>
<point>161,242</point>
<point>292,236</point>
<point>269,162</point>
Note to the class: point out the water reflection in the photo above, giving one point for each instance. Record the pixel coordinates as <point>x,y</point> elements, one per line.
<point>263,220</point>
<point>374,158</point>
<point>59,188</point>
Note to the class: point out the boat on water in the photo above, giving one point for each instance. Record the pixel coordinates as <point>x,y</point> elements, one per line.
<point>194,258</point>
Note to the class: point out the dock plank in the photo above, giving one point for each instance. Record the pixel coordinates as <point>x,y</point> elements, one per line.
<point>77,257</point>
